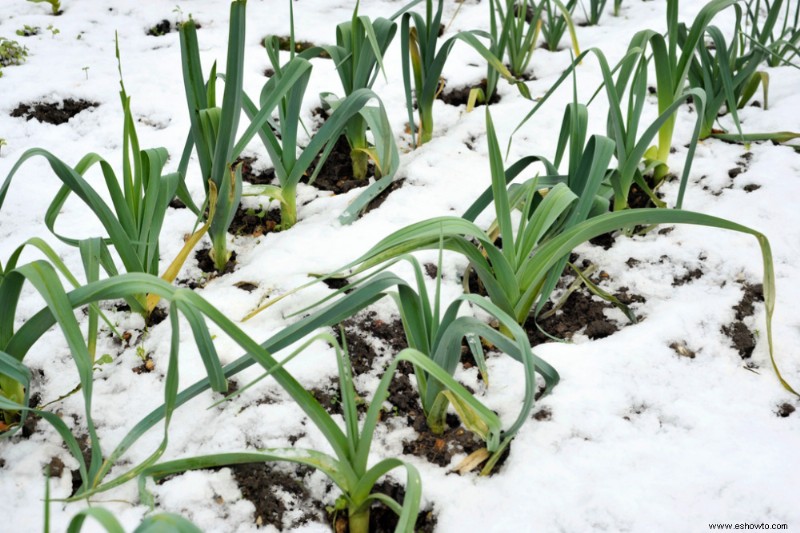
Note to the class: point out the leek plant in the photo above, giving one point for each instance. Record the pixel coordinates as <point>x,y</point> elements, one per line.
<point>349,467</point>
<point>781,46</point>
<point>59,309</point>
<point>11,387</point>
<point>358,56</point>
<point>520,25</point>
<point>672,68</point>
<point>595,11</point>
<point>425,58</point>
<point>634,155</point>
<point>213,128</point>
<point>285,90</point>
<point>727,73</point>
<point>15,343</point>
<point>557,19</point>
<point>617,6</point>
<point>438,335</point>
<point>139,202</point>
<point>516,275</point>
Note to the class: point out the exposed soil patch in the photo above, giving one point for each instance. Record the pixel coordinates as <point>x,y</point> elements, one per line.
<point>255,177</point>
<point>330,397</point>
<point>165,26</point>
<point>581,311</point>
<point>85,446</point>
<point>162,28</point>
<point>605,241</point>
<point>543,414</point>
<point>32,420</point>
<point>785,409</point>
<point>686,278</point>
<point>746,307</point>
<point>403,394</point>
<point>460,96</point>
<point>336,174</point>
<point>52,113</point>
<point>742,338</point>
<point>206,264</point>
<point>440,449</point>
<point>278,492</point>
<point>378,200</point>
<point>157,316</point>
<point>246,286</point>
<point>431,270</point>
<point>357,332</point>
<point>147,366</point>
<point>381,518</point>
<point>337,283</point>
<point>638,198</point>
<point>254,222</point>
<point>751,187</point>
<point>55,467</point>
<point>176,203</point>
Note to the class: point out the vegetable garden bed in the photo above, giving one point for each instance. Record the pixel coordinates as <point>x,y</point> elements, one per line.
<point>335,299</point>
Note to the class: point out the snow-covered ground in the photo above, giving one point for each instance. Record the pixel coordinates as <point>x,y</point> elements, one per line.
<point>639,438</point>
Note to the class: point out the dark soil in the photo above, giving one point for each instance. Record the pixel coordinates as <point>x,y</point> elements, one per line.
<point>85,446</point>
<point>165,26</point>
<point>55,467</point>
<point>403,394</point>
<point>440,449</point>
<point>606,240</point>
<point>460,96</point>
<point>246,286</point>
<point>742,338</point>
<point>751,187</point>
<point>158,315</point>
<point>745,307</point>
<point>254,222</point>
<point>265,177</point>
<point>581,310</point>
<point>336,174</point>
<point>267,486</point>
<point>32,420</point>
<point>206,264</point>
<point>147,366</point>
<point>735,171</point>
<point>330,397</point>
<point>337,283</point>
<point>162,28</point>
<point>381,518</point>
<point>686,278</point>
<point>277,490</point>
<point>785,409</point>
<point>176,203</point>
<point>378,200</point>
<point>52,113</point>
<point>431,270</point>
<point>357,332</point>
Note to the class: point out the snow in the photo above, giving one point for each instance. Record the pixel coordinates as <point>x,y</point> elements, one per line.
<point>639,439</point>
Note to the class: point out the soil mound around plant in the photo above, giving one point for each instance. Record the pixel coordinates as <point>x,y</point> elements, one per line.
<point>460,96</point>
